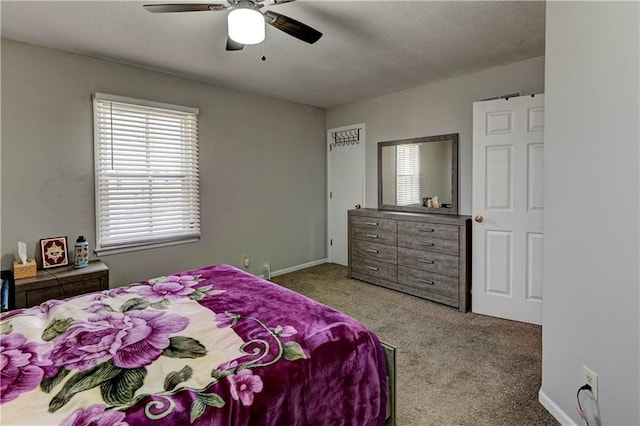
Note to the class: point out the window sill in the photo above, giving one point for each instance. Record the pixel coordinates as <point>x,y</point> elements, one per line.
<point>127,249</point>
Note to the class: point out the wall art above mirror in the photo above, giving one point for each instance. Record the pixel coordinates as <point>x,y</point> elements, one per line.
<point>419,175</point>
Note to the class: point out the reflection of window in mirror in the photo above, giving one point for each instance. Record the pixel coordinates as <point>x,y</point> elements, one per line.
<point>408,172</point>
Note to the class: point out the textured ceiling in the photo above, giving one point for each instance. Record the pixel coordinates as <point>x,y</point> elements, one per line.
<point>369,47</point>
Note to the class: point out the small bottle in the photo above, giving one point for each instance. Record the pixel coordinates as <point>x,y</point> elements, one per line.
<point>8,291</point>
<point>5,295</point>
<point>81,252</point>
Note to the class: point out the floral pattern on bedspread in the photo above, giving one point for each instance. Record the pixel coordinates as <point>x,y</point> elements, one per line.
<point>189,347</point>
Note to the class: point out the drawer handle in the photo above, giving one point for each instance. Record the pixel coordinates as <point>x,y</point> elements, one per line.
<point>426,244</point>
<point>373,268</point>
<point>426,282</point>
<point>372,250</point>
<point>430,262</point>
<point>372,223</point>
<point>427,230</point>
<point>371,235</point>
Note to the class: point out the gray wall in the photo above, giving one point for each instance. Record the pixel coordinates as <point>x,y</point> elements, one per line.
<point>262,164</point>
<point>434,109</point>
<point>389,175</point>
<point>435,157</point>
<point>592,209</point>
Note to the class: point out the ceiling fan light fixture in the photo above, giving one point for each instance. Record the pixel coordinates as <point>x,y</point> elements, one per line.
<point>246,26</point>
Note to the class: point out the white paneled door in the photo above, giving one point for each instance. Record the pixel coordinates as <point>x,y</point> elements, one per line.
<point>345,181</point>
<point>507,207</point>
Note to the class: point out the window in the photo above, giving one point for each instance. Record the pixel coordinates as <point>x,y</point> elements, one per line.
<point>146,171</point>
<point>408,171</point>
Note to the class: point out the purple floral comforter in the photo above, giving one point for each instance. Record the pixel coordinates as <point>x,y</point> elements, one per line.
<point>214,346</point>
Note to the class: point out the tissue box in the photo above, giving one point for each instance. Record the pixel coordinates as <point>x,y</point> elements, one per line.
<point>26,270</point>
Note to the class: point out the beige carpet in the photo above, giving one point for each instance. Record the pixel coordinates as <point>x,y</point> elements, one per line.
<point>453,368</point>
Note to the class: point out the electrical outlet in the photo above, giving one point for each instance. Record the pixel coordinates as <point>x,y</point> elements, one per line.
<point>246,262</point>
<point>590,378</point>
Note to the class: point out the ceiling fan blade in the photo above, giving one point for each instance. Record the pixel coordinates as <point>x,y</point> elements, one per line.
<point>292,27</point>
<point>276,2</point>
<point>234,45</point>
<point>184,7</point>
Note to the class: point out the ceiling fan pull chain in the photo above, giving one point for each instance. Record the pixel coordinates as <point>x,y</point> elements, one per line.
<point>264,58</point>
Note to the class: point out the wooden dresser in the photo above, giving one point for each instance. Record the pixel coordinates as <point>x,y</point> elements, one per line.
<point>60,283</point>
<point>426,255</point>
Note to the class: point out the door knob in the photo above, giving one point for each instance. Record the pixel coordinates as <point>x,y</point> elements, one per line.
<point>479,218</point>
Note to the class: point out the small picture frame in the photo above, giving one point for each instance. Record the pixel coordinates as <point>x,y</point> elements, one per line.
<point>54,252</point>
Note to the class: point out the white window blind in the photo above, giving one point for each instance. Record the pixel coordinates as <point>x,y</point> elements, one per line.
<point>146,171</point>
<point>408,172</point>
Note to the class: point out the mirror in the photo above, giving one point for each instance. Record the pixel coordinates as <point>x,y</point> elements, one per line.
<point>419,175</point>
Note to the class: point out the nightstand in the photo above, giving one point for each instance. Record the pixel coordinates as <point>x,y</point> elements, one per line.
<point>60,283</point>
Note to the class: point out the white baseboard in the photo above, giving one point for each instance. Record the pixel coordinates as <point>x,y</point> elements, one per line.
<point>555,411</point>
<point>297,267</point>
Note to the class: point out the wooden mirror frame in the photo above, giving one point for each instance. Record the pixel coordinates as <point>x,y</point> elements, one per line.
<point>453,137</point>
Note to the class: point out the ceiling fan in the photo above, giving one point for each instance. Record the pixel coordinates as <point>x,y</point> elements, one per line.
<point>246,21</point>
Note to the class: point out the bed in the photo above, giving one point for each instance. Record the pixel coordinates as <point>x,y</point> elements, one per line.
<point>211,346</point>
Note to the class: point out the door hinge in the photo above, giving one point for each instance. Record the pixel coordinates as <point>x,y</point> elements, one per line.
<point>330,147</point>
<point>331,194</point>
<point>331,241</point>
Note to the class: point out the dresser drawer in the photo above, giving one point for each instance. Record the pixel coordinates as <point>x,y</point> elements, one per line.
<point>37,296</point>
<point>371,223</point>
<point>428,261</point>
<point>374,268</point>
<point>376,236</point>
<point>429,282</point>
<point>419,242</point>
<point>432,230</point>
<point>371,250</point>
